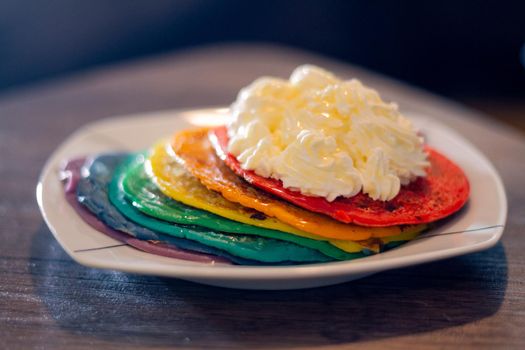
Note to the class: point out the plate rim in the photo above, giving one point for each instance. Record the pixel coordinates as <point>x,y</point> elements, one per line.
<point>239,272</point>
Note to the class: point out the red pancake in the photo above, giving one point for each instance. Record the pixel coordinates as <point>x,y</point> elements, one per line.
<point>442,192</point>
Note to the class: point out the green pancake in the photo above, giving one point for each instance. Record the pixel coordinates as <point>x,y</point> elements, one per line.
<point>136,186</point>
<point>252,247</point>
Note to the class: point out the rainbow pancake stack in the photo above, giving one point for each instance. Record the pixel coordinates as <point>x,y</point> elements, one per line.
<point>311,169</point>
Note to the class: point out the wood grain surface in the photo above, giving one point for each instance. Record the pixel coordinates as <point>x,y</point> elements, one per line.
<point>47,301</point>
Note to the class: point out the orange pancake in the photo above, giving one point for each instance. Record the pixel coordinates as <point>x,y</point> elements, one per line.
<point>194,150</point>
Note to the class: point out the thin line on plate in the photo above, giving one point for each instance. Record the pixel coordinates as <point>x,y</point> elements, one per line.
<point>455,232</point>
<point>100,248</point>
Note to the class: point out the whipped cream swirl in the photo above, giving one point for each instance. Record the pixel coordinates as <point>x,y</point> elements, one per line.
<point>324,136</point>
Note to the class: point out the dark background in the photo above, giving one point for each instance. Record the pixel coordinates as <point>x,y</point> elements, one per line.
<point>461,49</point>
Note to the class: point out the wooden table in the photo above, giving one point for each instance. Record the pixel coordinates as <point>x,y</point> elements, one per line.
<point>49,301</point>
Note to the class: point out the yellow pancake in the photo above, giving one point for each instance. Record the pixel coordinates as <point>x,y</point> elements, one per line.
<point>174,181</point>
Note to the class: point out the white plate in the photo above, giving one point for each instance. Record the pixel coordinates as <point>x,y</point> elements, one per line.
<point>480,224</point>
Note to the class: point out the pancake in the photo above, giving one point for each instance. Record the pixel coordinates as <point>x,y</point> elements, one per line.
<point>92,192</point>
<point>70,174</point>
<point>134,185</point>
<point>177,183</point>
<point>441,193</point>
<point>194,150</point>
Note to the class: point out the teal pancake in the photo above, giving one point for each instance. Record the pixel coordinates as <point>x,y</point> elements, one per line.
<point>257,248</point>
<point>138,188</point>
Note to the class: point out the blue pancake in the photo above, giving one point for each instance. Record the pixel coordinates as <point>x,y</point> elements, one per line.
<point>92,191</point>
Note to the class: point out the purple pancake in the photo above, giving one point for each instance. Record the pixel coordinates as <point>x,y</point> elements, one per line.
<point>71,175</point>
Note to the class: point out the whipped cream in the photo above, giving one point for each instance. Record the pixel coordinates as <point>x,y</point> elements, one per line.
<point>324,136</point>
